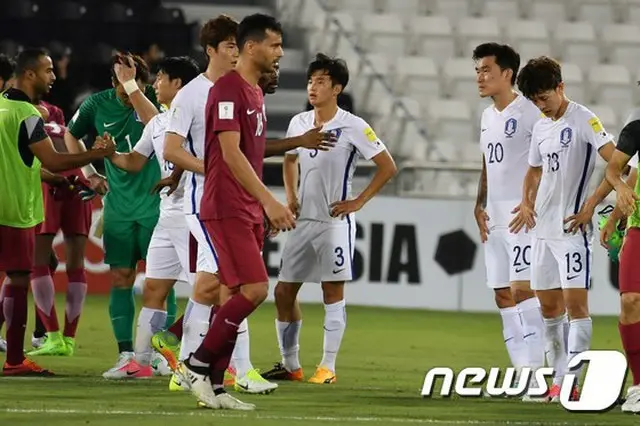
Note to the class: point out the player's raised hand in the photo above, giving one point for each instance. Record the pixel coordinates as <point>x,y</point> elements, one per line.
<point>577,222</point>
<point>343,208</point>
<point>525,217</point>
<point>482,219</point>
<point>279,215</point>
<point>105,143</point>
<point>315,139</point>
<point>626,199</point>
<point>167,182</point>
<point>125,69</point>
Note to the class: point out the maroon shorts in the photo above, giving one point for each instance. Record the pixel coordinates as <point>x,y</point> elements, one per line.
<point>64,211</point>
<point>238,244</point>
<point>17,246</point>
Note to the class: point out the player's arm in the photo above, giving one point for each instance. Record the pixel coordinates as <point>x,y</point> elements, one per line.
<point>525,212</point>
<point>175,153</point>
<point>628,146</point>
<point>313,139</point>
<point>79,126</point>
<point>135,160</point>
<point>481,197</point>
<point>181,116</point>
<point>51,178</point>
<point>385,170</point>
<point>290,178</point>
<point>126,74</point>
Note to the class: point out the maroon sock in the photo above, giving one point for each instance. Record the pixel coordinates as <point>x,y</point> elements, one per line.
<point>630,335</point>
<point>218,344</point>
<point>176,327</point>
<point>14,305</point>
<point>4,285</point>
<point>76,293</point>
<point>44,295</point>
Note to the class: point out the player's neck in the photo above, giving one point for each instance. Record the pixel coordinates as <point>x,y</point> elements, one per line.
<point>28,91</point>
<point>213,73</point>
<point>325,113</point>
<point>562,109</point>
<point>248,71</point>
<point>502,100</point>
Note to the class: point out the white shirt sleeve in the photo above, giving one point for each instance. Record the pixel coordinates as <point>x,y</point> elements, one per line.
<point>535,158</point>
<point>292,131</point>
<point>145,143</point>
<point>180,115</point>
<point>633,162</point>
<point>365,140</point>
<point>594,132</point>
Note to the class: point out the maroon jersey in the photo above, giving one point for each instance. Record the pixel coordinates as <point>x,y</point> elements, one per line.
<point>55,114</point>
<point>236,106</point>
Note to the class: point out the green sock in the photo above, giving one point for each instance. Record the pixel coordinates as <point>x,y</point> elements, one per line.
<point>172,308</point>
<point>122,310</point>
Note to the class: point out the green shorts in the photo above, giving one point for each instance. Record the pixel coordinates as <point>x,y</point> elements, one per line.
<point>126,241</point>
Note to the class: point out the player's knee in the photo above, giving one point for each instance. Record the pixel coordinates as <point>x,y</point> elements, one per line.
<point>630,308</point>
<point>256,293</point>
<point>521,293</point>
<point>503,298</point>
<point>154,294</point>
<point>551,307</point>
<point>207,290</point>
<point>285,294</point>
<point>123,278</point>
<point>577,309</point>
<point>332,292</point>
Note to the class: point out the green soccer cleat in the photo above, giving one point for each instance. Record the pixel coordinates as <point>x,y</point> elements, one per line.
<point>70,342</point>
<point>615,240</point>
<point>54,345</point>
<point>168,345</point>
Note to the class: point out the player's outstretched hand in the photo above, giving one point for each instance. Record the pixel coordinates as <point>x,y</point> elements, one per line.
<point>167,182</point>
<point>105,143</point>
<point>626,200</point>
<point>84,191</point>
<point>482,219</point>
<point>525,217</point>
<point>279,215</point>
<point>606,232</point>
<point>125,69</point>
<point>98,183</point>
<point>343,208</point>
<point>315,139</point>
<point>577,222</point>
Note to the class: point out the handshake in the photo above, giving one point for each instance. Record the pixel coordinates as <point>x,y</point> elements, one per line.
<point>106,144</point>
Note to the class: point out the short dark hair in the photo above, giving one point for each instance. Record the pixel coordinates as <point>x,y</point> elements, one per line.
<point>27,60</point>
<point>142,69</point>
<point>254,28</point>
<point>335,68</point>
<point>506,57</point>
<point>539,75</point>
<point>7,67</point>
<point>182,67</point>
<point>217,30</point>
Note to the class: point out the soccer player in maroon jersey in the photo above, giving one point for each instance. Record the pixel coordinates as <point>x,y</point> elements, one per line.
<point>234,202</point>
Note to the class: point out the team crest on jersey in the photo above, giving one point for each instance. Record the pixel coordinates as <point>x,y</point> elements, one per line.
<point>565,136</point>
<point>510,127</point>
<point>336,133</point>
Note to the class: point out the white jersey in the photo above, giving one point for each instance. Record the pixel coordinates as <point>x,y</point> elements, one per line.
<point>505,139</point>
<point>325,176</point>
<point>187,119</point>
<point>152,143</point>
<point>566,150</point>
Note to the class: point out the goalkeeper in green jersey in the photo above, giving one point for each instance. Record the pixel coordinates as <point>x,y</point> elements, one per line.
<point>131,208</point>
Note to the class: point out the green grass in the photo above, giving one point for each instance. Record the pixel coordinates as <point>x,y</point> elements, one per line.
<point>381,366</point>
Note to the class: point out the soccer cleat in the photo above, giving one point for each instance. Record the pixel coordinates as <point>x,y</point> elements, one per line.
<point>175,384</point>
<point>70,342</point>
<point>254,383</point>
<point>228,402</point>
<point>323,376</point>
<point>26,368</point>
<point>3,345</point>
<point>199,385</point>
<point>554,394</point>
<point>36,342</point>
<point>159,365</point>
<point>130,370</point>
<point>54,345</point>
<point>167,345</point>
<point>278,372</point>
<point>632,402</point>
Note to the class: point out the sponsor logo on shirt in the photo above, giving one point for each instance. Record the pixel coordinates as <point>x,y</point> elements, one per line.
<point>596,125</point>
<point>370,134</point>
<point>225,110</point>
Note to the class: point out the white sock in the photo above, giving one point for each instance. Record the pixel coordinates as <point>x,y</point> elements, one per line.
<point>241,357</point>
<point>289,342</point>
<point>194,329</point>
<point>150,321</point>
<point>580,331</point>
<point>533,331</point>
<point>335,322</point>
<point>555,346</point>
<point>514,336</point>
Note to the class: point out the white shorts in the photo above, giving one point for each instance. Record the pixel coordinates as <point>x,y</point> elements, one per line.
<point>562,263</point>
<point>206,256</point>
<point>168,254</point>
<point>507,257</point>
<point>319,252</point>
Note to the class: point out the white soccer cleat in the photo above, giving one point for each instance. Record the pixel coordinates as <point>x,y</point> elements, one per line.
<point>118,370</point>
<point>160,365</point>
<point>254,383</point>
<point>3,345</point>
<point>200,386</point>
<point>632,403</point>
<point>228,402</point>
<point>37,342</point>
<point>528,398</point>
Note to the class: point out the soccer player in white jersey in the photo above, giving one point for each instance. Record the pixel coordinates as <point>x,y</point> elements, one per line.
<point>505,136</point>
<point>168,257</point>
<point>555,205</point>
<point>320,248</point>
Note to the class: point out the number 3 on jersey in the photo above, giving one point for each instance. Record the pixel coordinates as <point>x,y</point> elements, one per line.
<point>496,152</point>
<point>553,162</point>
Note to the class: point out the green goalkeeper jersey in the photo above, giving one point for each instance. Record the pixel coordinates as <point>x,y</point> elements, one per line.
<point>129,195</point>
